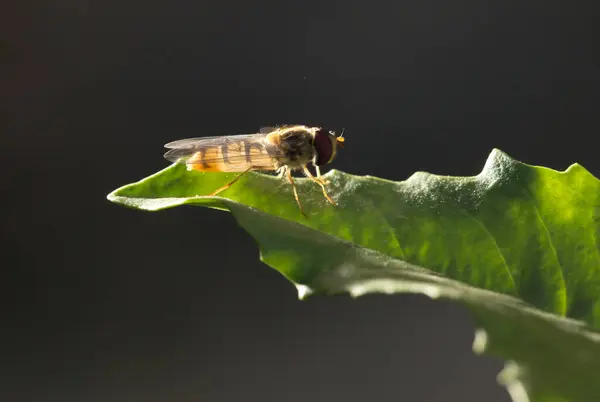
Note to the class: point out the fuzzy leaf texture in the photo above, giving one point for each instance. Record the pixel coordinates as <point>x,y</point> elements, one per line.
<point>517,245</point>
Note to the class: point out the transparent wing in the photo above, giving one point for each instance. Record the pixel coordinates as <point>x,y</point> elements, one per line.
<point>232,153</point>
<point>267,130</point>
<point>202,142</point>
<point>270,129</point>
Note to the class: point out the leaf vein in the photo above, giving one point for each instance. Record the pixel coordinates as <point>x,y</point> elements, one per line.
<point>585,201</point>
<point>500,253</point>
<point>552,248</point>
<point>392,231</point>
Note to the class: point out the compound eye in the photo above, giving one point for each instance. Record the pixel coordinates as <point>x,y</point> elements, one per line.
<point>323,147</point>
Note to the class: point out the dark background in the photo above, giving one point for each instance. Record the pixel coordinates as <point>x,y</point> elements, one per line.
<point>104,303</point>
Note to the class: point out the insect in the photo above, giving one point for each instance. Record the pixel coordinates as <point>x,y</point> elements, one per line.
<point>280,149</point>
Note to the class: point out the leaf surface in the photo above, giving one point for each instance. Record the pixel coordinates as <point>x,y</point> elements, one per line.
<point>516,244</point>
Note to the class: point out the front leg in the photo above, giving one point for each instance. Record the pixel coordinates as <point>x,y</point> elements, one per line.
<point>319,182</point>
<point>319,177</point>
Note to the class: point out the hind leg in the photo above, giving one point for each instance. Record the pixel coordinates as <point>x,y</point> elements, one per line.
<point>226,186</point>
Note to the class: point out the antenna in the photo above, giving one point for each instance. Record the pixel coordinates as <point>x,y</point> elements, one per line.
<point>340,140</point>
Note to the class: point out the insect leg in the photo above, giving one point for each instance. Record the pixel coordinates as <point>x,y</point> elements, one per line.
<point>281,172</point>
<point>226,186</point>
<point>319,175</point>
<point>291,180</point>
<point>320,183</point>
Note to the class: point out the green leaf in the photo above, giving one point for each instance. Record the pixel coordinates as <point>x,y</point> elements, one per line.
<point>516,244</point>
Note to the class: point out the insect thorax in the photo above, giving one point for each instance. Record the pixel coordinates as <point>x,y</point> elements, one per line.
<point>296,147</point>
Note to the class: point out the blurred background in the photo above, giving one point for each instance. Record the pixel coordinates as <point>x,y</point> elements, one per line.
<point>102,303</point>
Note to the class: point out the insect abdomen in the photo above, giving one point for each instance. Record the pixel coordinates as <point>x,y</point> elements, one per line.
<point>231,157</point>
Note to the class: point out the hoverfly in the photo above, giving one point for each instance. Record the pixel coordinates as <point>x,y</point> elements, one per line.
<point>280,149</point>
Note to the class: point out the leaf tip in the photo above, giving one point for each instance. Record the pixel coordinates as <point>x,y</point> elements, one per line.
<point>113,197</point>
<point>303,291</point>
<point>116,196</point>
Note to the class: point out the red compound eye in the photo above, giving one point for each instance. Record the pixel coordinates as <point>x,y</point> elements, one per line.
<point>323,147</point>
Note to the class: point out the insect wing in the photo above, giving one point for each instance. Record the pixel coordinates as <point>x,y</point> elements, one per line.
<point>234,153</point>
<point>267,130</point>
